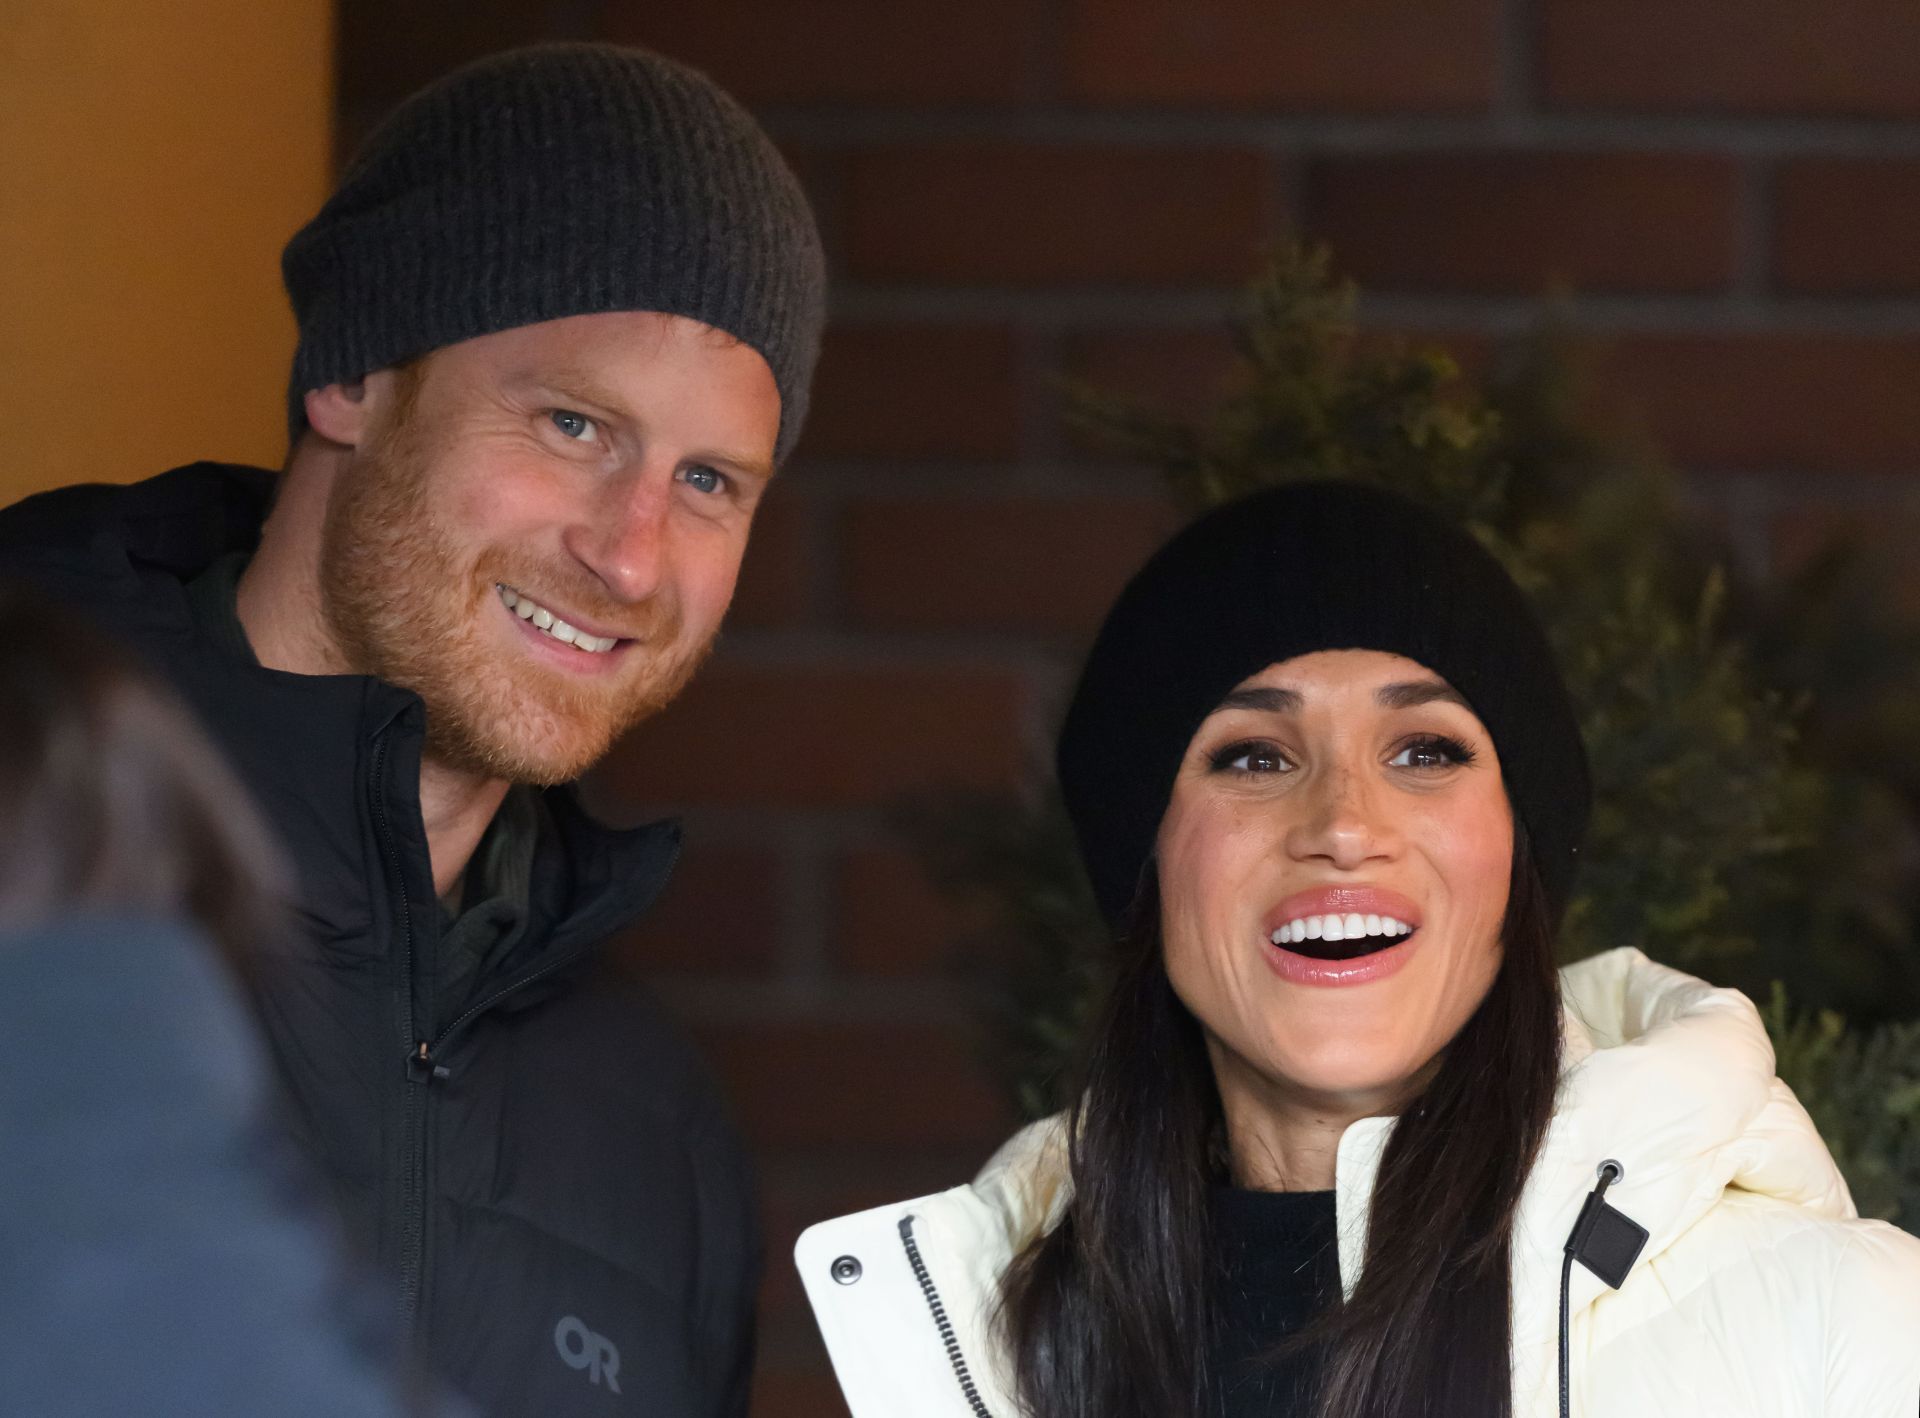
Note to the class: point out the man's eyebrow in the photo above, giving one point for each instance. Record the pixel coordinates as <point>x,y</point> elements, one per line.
<point>748,464</point>
<point>571,382</point>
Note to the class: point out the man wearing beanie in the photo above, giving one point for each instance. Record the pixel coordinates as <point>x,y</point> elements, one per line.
<point>557,326</point>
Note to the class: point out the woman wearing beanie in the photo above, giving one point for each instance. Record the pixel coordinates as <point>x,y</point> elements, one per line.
<point>1345,1144</point>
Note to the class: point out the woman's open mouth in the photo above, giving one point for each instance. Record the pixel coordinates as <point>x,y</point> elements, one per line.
<point>1341,937</point>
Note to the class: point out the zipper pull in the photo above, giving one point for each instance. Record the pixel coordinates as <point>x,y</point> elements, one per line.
<point>421,1068</point>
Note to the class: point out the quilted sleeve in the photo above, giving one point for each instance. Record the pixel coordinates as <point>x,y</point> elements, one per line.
<point>1873,1325</point>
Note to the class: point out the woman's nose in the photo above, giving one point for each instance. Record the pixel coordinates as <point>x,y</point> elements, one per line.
<point>1340,822</point>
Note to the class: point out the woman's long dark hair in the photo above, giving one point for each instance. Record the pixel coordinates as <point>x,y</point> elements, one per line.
<point>112,800</point>
<point>1110,1314</point>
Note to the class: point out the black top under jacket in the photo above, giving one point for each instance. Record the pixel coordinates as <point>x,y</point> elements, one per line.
<point>554,1183</point>
<point>1277,1265</point>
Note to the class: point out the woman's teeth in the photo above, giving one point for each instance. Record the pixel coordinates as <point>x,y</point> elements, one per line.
<point>549,624</point>
<point>1351,926</point>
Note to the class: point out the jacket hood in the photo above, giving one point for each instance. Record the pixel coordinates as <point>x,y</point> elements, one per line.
<point>1668,1076</point>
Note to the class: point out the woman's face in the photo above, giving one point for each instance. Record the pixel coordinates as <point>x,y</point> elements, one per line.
<point>1348,794</point>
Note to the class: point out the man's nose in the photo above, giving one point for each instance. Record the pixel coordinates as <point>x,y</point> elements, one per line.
<point>622,536</point>
<point>1340,822</point>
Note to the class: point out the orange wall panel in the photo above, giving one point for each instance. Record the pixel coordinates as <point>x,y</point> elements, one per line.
<point>157,156</point>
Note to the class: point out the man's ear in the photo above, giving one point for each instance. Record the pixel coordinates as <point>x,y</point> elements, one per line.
<point>339,413</point>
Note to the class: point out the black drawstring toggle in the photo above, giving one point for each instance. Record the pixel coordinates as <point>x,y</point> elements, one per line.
<point>1606,1241</point>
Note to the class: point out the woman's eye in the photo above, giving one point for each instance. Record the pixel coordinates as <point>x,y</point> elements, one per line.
<point>703,479</point>
<point>578,427</point>
<point>1247,758</point>
<point>1435,751</point>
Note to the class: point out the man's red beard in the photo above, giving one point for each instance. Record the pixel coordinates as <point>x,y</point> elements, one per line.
<point>406,605</point>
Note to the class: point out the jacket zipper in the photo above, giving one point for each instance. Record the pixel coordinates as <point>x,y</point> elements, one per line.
<point>414,1111</point>
<point>941,1320</point>
<point>426,1059</point>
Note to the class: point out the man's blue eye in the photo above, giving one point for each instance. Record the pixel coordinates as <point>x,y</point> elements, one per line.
<point>703,479</point>
<point>576,426</point>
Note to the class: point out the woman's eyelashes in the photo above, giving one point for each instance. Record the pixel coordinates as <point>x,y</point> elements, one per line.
<point>1248,756</point>
<point>1423,753</point>
<point>1432,751</point>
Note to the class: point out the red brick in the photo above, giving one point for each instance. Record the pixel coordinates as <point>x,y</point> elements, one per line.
<point>1056,214</point>
<point>1837,57</point>
<point>1187,374</point>
<point>774,578</point>
<point>1522,222</point>
<point>1356,55</point>
<point>1881,535</point>
<point>862,51</point>
<point>893,921</point>
<point>389,48</point>
<point>822,735</point>
<point>1835,403</point>
<point>720,915</point>
<point>1847,226</point>
<point>1028,565</point>
<point>789,1393</point>
<point>858,1085</point>
<point>1183,372</point>
<point>892,391</point>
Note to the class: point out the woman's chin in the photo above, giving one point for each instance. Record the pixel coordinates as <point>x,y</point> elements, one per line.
<point>1345,1075</point>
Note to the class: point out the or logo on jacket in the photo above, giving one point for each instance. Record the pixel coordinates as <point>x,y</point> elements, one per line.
<point>583,1349</point>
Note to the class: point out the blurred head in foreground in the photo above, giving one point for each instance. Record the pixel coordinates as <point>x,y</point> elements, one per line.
<point>111,800</point>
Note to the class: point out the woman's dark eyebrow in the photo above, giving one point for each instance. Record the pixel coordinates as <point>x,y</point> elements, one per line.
<point>1412,693</point>
<point>1265,701</point>
<point>1408,694</point>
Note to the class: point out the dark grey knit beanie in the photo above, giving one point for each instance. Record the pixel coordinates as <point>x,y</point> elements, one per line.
<point>562,179</point>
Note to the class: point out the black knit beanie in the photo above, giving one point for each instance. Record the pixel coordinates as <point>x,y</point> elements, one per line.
<point>1285,572</point>
<point>562,179</point>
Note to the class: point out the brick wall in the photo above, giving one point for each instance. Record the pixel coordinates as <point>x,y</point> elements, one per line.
<point>1016,190</point>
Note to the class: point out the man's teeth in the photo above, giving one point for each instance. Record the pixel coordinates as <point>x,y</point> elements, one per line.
<point>1348,927</point>
<point>547,621</point>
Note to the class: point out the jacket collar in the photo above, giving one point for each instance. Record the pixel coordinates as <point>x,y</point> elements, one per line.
<point>123,556</point>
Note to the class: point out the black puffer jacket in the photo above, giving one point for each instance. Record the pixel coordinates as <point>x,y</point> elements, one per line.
<point>555,1185</point>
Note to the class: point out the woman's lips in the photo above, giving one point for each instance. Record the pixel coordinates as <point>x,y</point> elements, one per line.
<point>1343,901</point>
<point>1358,958</point>
<point>1298,969</point>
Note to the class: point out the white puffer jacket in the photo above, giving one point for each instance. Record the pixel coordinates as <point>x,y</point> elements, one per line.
<point>1757,1294</point>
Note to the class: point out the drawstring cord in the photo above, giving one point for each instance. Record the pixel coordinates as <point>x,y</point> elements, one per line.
<point>1607,1242</point>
